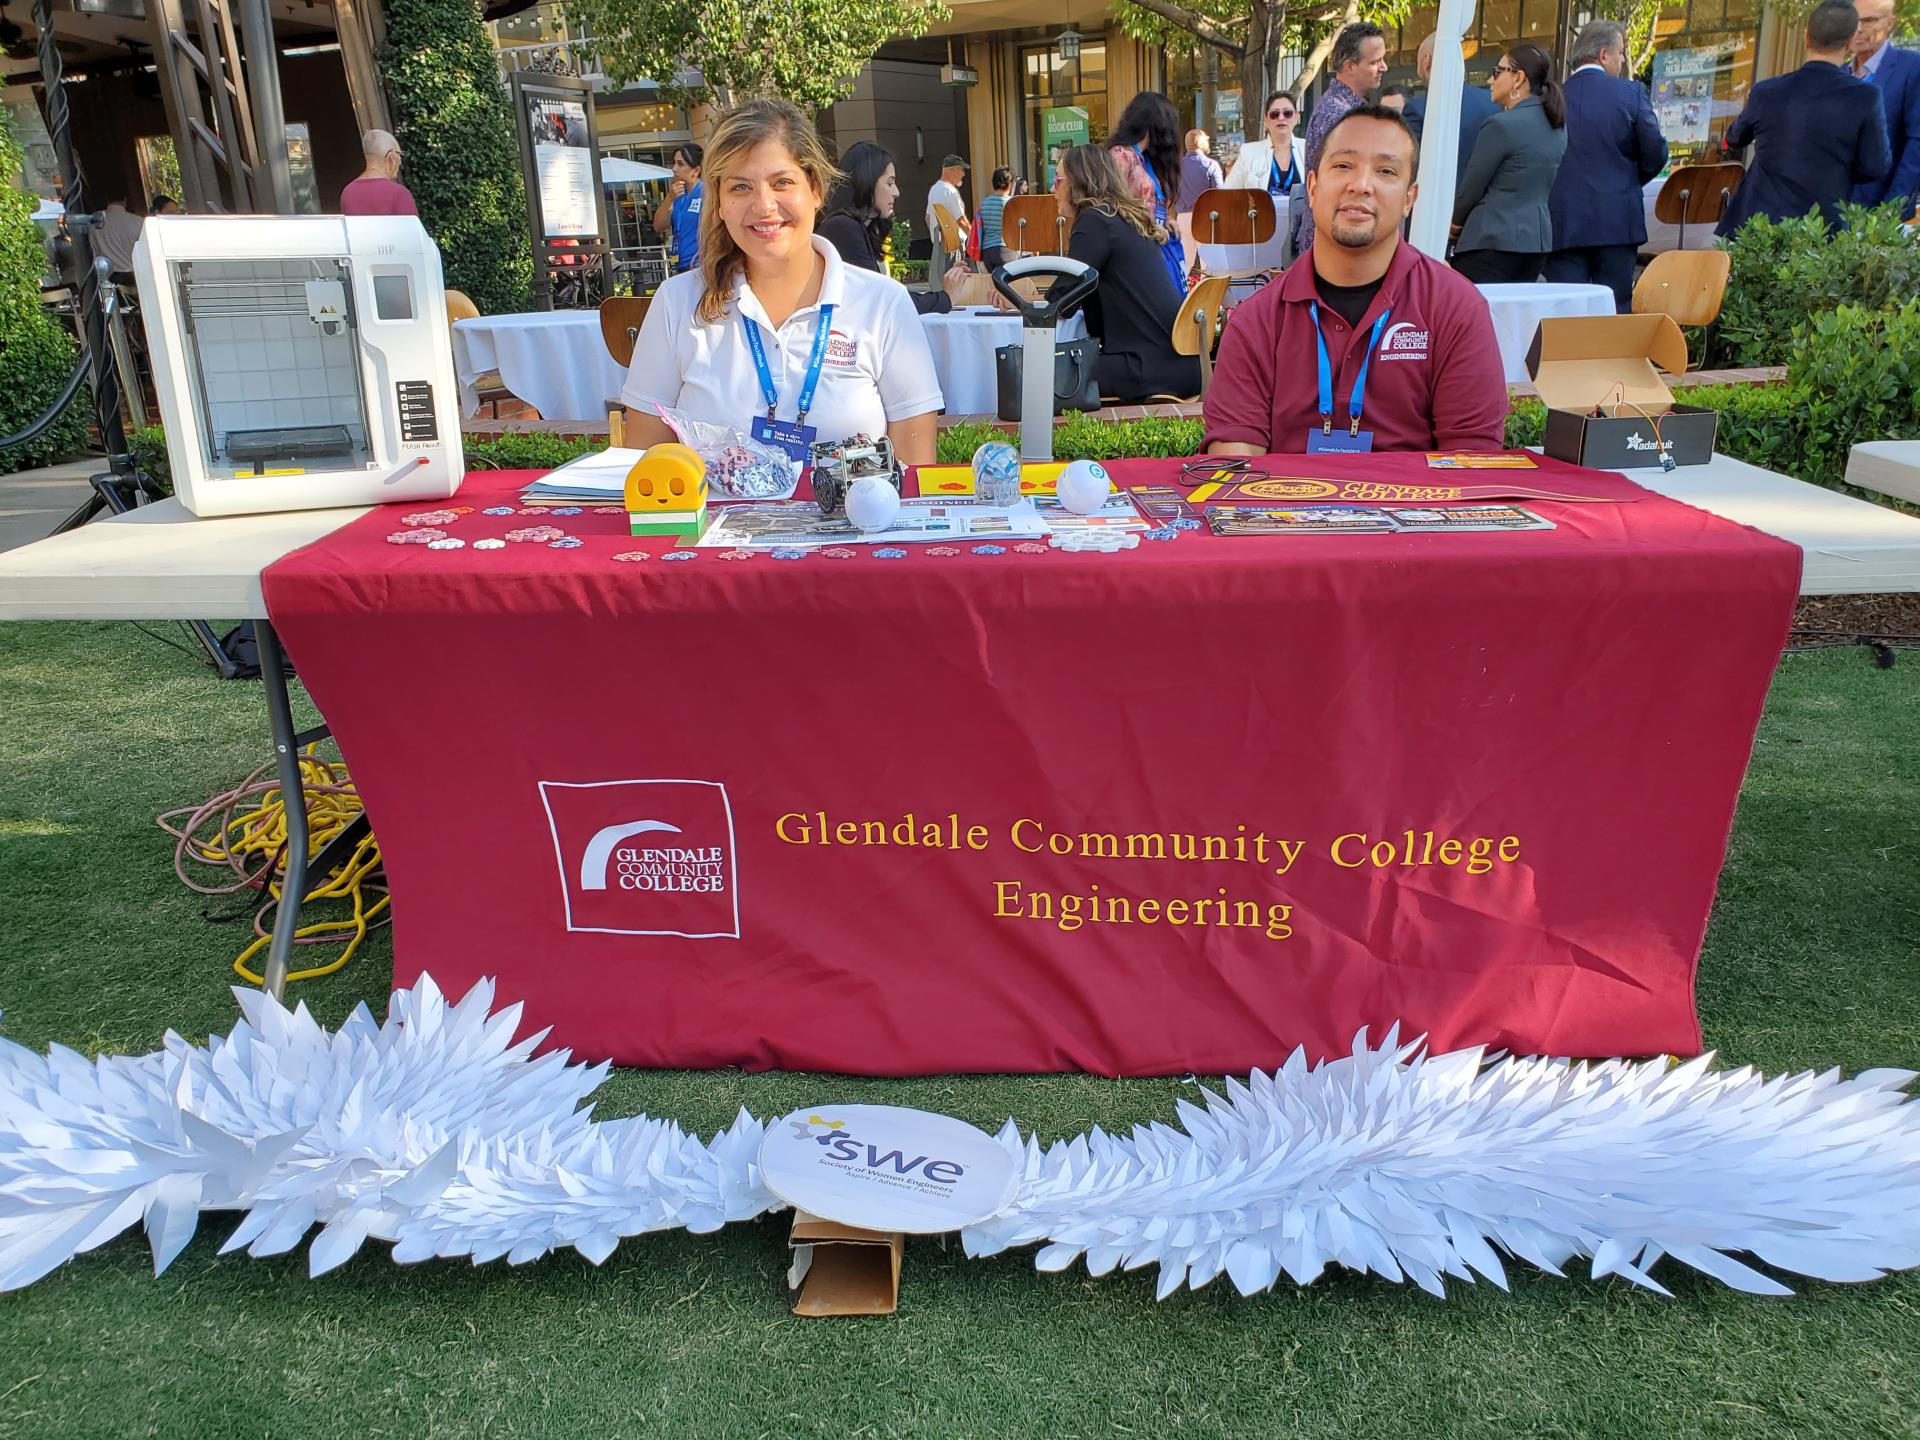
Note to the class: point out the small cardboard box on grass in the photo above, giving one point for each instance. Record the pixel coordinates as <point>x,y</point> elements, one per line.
<point>1607,405</point>
<point>840,1270</point>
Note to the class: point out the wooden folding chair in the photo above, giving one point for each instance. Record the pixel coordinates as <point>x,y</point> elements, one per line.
<point>1697,195</point>
<point>489,388</point>
<point>1234,217</point>
<point>1687,285</point>
<point>1033,225</point>
<point>620,319</point>
<point>951,240</point>
<point>1197,326</point>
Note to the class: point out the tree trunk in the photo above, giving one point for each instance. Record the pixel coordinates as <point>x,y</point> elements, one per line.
<point>1259,62</point>
<point>1323,47</point>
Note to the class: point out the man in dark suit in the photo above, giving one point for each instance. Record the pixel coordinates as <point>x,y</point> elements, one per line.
<point>1476,108</point>
<point>1816,133</point>
<point>1614,146</point>
<point>1897,72</point>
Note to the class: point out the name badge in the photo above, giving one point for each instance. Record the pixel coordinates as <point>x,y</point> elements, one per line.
<point>1339,442</point>
<point>788,435</point>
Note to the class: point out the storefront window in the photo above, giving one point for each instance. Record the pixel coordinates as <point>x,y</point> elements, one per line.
<point>1204,86</point>
<point>1064,102</point>
<point>1700,84</point>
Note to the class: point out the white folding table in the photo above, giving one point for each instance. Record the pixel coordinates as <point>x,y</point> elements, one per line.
<point>157,562</point>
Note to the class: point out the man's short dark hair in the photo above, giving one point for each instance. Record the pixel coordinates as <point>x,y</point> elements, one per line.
<point>1831,25</point>
<point>1387,91</point>
<point>1367,110</point>
<point>1346,49</point>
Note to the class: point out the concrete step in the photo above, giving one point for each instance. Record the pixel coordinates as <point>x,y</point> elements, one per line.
<point>32,502</point>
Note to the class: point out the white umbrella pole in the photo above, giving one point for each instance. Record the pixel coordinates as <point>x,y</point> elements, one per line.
<point>1440,136</point>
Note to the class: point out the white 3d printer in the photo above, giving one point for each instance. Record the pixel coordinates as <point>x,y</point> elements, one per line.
<point>300,361</point>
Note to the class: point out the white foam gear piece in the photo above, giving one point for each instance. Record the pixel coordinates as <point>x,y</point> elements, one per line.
<point>432,1131</point>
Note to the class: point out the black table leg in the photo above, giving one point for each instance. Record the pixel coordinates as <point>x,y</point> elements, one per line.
<point>286,748</point>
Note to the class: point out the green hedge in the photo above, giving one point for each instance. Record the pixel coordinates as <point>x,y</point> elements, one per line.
<point>37,356</point>
<point>1785,273</point>
<point>455,127</point>
<point>1852,380</point>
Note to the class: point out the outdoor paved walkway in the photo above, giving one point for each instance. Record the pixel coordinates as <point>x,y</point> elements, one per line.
<point>32,502</point>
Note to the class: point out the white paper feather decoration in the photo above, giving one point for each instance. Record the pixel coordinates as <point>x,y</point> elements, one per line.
<point>434,1132</point>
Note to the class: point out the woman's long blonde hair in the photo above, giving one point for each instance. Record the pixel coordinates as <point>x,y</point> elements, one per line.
<point>1093,179</point>
<point>740,130</point>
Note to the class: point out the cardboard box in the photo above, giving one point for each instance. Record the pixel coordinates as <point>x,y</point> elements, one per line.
<point>1612,364</point>
<point>840,1270</point>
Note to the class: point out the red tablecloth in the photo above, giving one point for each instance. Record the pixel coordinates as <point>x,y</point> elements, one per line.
<point>578,769</point>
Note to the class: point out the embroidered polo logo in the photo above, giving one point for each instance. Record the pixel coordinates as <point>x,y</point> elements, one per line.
<point>843,351</point>
<point>1405,341</point>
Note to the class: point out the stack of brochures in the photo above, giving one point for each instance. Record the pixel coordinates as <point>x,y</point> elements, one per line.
<point>1369,519</point>
<point>596,479</point>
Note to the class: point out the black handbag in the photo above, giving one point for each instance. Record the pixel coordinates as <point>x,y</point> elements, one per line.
<point>1075,386</point>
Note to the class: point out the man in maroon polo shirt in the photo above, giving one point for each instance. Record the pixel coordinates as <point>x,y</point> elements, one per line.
<point>1410,351</point>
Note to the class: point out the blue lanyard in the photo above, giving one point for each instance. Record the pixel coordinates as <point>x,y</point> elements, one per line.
<point>814,362</point>
<point>1278,184</point>
<point>1354,400</point>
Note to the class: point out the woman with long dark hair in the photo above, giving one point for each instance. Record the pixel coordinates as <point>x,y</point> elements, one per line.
<point>774,330</point>
<point>859,215</point>
<point>1131,312</point>
<point>1146,147</point>
<point>1500,214</point>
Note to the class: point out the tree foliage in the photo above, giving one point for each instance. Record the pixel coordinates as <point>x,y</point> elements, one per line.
<point>1256,33</point>
<point>1640,18</point>
<point>807,51</point>
<point>36,355</point>
<point>455,127</point>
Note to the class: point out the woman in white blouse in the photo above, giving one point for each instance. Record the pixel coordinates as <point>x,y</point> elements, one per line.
<point>774,327</point>
<point>1254,168</point>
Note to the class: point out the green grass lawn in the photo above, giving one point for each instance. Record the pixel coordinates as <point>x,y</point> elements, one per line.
<point>1811,961</point>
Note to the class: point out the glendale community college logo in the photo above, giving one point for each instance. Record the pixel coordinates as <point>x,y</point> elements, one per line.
<point>884,1167</point>
<point>645,857</point>
<point>1404,341</point>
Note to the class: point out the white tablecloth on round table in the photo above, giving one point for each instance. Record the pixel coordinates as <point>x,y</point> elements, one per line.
<point>963,342</point>
<point>1519,309</point>
<point>554,360</point>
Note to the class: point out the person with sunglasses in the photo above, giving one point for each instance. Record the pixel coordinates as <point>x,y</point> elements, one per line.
<point>1277,164</point>
<point>1501,214</point>
<point>1277,161</point>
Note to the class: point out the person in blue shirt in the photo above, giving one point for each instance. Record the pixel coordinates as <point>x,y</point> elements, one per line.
<point>993,209</point>
<point>1878,61</point>
<point>679,214</point>
<point>1614,146</point>
<point>1476,108</point>
<point>1816,132</point>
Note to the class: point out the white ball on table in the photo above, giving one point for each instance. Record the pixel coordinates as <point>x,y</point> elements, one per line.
<point>1083,486</point>
<point>872,502</point>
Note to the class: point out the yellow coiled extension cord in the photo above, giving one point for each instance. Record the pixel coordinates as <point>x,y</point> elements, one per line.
<point>243,831</point>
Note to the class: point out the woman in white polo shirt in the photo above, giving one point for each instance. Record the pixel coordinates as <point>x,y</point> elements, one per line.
<point>774,325</point>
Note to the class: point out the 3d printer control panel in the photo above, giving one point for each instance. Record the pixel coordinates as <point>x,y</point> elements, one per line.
<point>415,402</point>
